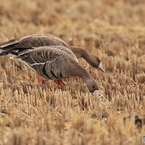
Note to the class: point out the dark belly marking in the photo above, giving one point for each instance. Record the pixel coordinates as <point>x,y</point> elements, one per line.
<point>61,75</point>
<point>44,71</point>
<point>53,75</point>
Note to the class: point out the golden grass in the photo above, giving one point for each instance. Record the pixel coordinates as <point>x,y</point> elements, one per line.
<point>34,114</point>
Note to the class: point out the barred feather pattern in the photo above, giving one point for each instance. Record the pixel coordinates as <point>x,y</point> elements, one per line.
<point>48,62</point>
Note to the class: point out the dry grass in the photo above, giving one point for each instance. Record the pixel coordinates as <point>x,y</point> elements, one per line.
<point>68,115</point>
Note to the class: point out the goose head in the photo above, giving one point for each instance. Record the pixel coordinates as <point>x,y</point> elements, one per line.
<point>92,86</point>
<point>96,62</point>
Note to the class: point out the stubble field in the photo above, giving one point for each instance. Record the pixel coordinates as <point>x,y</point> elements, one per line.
<point>31,113</point>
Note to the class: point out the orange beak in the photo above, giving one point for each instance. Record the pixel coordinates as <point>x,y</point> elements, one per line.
<point>100,67</point>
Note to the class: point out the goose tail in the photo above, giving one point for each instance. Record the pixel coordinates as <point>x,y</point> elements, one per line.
<point>1,43</point>
<point>2,52</point>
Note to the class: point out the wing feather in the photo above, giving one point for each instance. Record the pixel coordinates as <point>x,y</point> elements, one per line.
<point>48,62</point>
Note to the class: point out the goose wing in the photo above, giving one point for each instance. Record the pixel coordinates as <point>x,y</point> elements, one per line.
<point>48,62</point>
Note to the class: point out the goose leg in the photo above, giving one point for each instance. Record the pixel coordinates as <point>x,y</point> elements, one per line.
<point>39,79</point>
<point>60,82</point>
<point>42,82</point>
<point>47,84</point>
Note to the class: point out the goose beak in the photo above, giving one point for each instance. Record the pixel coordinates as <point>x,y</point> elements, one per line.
<point>95,93</point>
<point>100,67</point>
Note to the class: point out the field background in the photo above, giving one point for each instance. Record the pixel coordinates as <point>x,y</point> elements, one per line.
<point>33,114</point>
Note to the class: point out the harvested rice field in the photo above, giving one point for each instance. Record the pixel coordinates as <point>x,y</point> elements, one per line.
<point>34,114</point>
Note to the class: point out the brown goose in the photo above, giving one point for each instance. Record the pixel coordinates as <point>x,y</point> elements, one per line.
<point>23,44</point>
<point>54,62</point>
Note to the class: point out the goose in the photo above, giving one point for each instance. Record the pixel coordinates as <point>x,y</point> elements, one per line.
<point>36,40</point>
<point>55,63</point>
